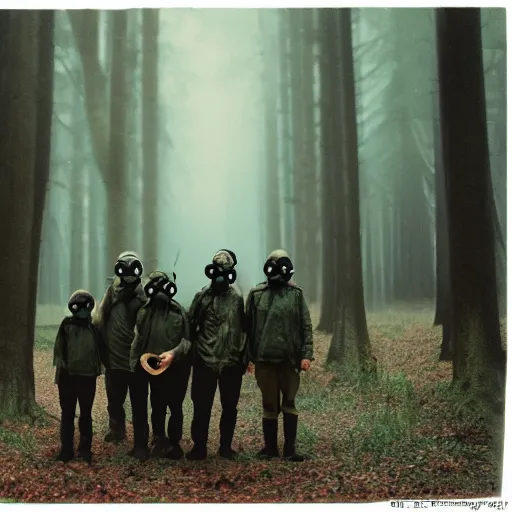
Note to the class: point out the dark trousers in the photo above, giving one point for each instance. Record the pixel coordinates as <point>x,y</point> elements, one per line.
<point>204,386</point>
<point>73,389</point>
<point>168,390</point>
<point>117,384</point>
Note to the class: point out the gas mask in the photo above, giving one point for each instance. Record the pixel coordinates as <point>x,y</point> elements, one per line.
<point>160,287</point>
<point>81,305</point>
<point>278,271</point>
<point>221,277</point>
<point>129,268</point>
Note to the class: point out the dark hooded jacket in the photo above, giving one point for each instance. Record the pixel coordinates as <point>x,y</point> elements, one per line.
<point>159,330</point>
<point>79,348</point>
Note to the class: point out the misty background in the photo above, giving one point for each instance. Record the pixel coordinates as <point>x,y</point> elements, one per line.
<point>215,67</point>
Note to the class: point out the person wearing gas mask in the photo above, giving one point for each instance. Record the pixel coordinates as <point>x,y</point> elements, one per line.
<point>216,325</point>
<point>78,354</point>
<point>115,317</point>
<point>161,329</point>
<point>280,344</point>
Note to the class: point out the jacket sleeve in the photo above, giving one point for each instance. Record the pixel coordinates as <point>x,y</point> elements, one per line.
<point>248,319</point>
<point>307,330</point>
<point>98,314</point>
<point>244,355</point>
<point>102,347</point>
<point>136,349</point>
<point>60,347</point>
<point>182,349</point>
<point>192,316</point>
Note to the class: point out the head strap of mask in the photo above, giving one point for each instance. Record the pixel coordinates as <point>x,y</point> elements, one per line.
<point>160,282</point>
<point>81,304</point>
<point>128,265</point>
<point>231,253</point>
<point>281,268</point>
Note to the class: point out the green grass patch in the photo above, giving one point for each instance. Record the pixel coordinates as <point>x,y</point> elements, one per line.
<point>20,442</point>
<point>44,337</point>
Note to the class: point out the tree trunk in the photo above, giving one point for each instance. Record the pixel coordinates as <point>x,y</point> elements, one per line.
<point>329,147</point>
<point>150,123</point>
<point>77,207</point>
<point>24,159</point>
<point>116,180</point>
<point>479,359</point>
<point>350,343</point>
<point>286,138</point>
<point>297,93</point>
<point>309,195</point>
<point>269,78</point>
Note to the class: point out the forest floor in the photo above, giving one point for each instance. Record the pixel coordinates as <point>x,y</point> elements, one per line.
<point>407,435</point>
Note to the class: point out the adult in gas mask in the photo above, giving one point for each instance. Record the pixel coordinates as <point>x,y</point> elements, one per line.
<point>280,344</point>
<point>216,324</point>
<point>162,329</point>
<point>115,317</point>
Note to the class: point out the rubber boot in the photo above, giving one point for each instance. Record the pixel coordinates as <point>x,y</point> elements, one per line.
<point>115,436</point>
<point>84,448</point>
<point>227,431</point>
<point>176,452</point>
<point>270,429</point>
<point>290,422</point>
<point>67,432</point>
<point>197,453</point>
<point>161,446</point>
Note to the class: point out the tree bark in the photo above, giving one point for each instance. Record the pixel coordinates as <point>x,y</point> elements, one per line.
<point>150,123</point>
<point>286,137</point>
<point>329,148</point>
<point>26,57</point>
<point>350,343</point>
<point>77,207</point>
<point>269,78</point>
<point>479,359</point>
<point>116,185</point>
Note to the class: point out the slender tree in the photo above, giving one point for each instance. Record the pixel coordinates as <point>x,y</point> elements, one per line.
<point>150,134</point>
<point>269,78</point>
<point>115,181</point>
<point>328,162</point>
<point>350,342</point>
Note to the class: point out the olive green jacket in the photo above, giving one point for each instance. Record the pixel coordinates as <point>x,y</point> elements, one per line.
<point>116,316</point>
<point>278,324</point>
<point>158,331</point>
<point>217,328</point>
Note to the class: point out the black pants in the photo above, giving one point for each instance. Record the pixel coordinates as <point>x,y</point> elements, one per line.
<point>167,390</point>
<point>204,386</point>
<point>117,384</point>
<point>73,389</point>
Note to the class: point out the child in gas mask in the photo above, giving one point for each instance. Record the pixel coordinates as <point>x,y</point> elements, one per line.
<point>216,325</point>
<point>280,343</point>
<point>115,317</point>
<point>161,329</point>
<point>78,354</point>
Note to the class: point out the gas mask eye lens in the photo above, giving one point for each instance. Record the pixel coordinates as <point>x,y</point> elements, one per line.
<point>150,291</point>
<point>136,272</point>
<point>120,271</point>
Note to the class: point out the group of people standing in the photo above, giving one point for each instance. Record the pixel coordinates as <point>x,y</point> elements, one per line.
<point>217,339</point>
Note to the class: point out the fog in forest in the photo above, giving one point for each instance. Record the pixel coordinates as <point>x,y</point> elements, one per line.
<point>221,74</point>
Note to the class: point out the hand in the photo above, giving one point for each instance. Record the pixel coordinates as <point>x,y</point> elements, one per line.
<point>305,365</point>
<point>250,369</point>
<point>166,358</point>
